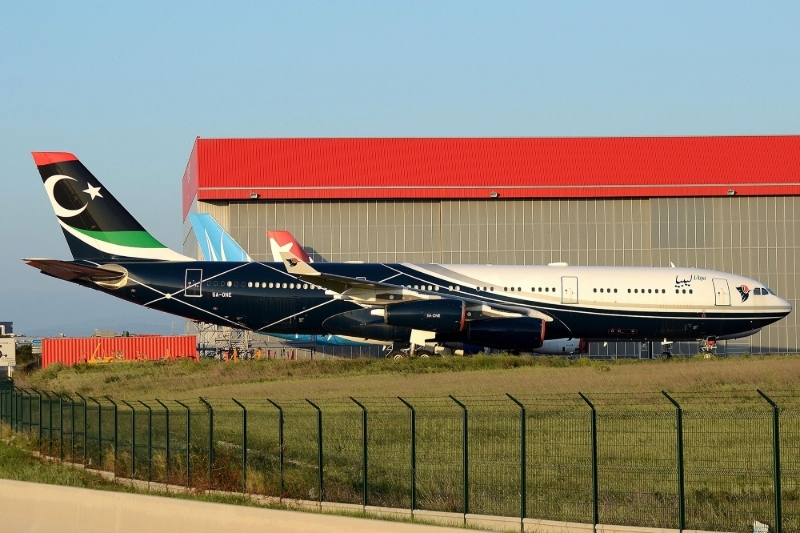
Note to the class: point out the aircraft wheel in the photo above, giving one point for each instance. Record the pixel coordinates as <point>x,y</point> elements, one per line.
<point>424,355</point>
<point>396,354</point>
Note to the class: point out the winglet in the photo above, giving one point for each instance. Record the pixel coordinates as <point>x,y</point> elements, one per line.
<point>297,266</point>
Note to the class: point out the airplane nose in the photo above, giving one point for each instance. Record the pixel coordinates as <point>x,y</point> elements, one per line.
<point>785,304</point>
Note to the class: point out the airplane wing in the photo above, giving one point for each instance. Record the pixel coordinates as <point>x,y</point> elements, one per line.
<point>373,293</point>
<point>72,271</point>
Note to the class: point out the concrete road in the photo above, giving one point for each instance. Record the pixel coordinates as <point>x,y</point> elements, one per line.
<point>36,508</point>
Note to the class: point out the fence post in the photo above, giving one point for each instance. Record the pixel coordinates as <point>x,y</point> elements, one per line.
<point>133,439</point>
<point>523,458</point>
<point>595,491</point>
<point>39,420</point>
<point>244,444</point>
<point>60,428</point>
<point>116,433</point>
<point>776,461</point>
<point>49,423</point>
<point>210,442</point>
<point>681,484</point>
<point>84,426</point>
<point>319,446</point>
<point>149,441</point>
<point>166,437</point>
<point>71,428</point>
<point>364,488</point>
<point>99,432</point>
<point>280,442</point>
<point>464,452</point>
<point>188,440</point>
<point>413,414</point>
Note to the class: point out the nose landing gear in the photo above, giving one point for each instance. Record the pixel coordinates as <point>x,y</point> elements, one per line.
<point>666,349</point>
<point>709,345</point>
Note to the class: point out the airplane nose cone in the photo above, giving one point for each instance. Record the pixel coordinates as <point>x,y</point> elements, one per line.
<point>786,305</point>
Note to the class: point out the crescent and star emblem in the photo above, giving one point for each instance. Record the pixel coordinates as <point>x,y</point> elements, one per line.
<point>60,210</point>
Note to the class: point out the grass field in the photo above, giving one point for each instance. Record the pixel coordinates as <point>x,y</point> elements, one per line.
<point>727,432</point>
<point>435,377</point>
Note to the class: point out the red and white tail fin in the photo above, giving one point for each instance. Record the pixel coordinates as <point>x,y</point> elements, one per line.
<point>283,241</point>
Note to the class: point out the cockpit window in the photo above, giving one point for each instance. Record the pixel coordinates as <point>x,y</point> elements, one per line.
<point>757,291</point>
<point>769,291</point>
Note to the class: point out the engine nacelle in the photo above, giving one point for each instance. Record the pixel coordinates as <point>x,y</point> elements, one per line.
<point>361,323</point>
<point>441,316</point>
<point>518,334</point>
<point>563,347</point>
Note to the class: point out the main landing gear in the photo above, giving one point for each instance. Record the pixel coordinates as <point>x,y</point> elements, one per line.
<point>403,351</point>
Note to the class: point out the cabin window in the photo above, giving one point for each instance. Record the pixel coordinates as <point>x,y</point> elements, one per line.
<point>505,288</point>
<point>305,285</point>
<point>677,291</point>
<point>230,284</point>
<point>284,285</point>
<point>271,285</point>
<point>215,283</point>
<point>690,291</point>
<point>595,290</point>
<point>684,291</point>
<point>629,291</point>
<point>663,291</point>
<point>458,287</point>
<point>601,290</point>
<point>546,289</point>
<point>636,291</point>
<point>615,291</point>
<point>249,284</point>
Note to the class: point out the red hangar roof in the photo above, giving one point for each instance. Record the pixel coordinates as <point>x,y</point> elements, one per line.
<point>452,168</point>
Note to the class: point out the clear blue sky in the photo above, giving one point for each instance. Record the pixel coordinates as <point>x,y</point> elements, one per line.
<point>127,88</point>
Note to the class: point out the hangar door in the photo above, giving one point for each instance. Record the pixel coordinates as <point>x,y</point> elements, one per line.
<point>722,294</point>
<point>569,290</point>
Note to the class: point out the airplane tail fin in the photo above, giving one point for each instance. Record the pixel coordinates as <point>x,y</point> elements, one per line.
<point>283,241</point>
<point>94,223</point>
<point>215,242</point>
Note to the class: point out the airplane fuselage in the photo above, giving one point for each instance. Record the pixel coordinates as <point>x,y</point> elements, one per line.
<point>609,303</point>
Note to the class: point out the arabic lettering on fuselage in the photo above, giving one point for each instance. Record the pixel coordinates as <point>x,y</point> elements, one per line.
<point>686,282</point>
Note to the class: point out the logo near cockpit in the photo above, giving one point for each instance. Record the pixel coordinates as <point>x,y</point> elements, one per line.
<point>744,291</point>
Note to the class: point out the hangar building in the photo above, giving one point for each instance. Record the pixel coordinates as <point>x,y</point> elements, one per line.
<point>723,203</point>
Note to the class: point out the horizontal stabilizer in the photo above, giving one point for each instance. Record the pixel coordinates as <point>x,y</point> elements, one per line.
<point>72,271</point>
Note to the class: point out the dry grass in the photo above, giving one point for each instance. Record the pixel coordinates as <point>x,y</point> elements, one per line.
<point>477,376</point>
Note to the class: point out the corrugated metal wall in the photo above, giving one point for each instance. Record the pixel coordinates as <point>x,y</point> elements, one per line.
<point>752,236</point>
<point>70,351</point>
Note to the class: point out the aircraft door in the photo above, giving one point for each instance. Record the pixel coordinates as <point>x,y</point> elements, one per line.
<point>569,290</point>
<point>722,294</point>
<point>193,288</point>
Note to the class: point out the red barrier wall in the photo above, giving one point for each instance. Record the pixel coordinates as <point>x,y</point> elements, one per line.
<point>70,351</point>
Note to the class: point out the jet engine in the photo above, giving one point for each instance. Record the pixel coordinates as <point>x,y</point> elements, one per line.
<point>441,316</point>
<point>517,334</point>
<point>361,323</point>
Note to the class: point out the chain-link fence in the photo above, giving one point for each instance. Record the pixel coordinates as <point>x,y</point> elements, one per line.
<point>678,461</point>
